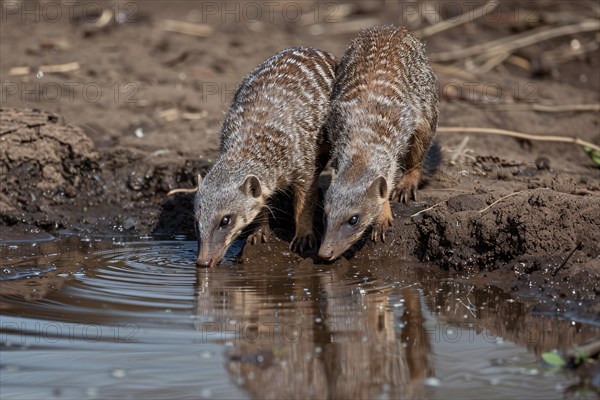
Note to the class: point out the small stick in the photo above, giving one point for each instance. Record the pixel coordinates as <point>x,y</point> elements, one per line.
<point>105,18</point>
<point>59,68</point>
<point>521,135</point>
<point>47,69</point>
<point>18,71</point>
<point>591,350</point>
<point>491,63</point>
<point>427,209</point>
<point>174,191</point>
<point>460,20</point>
<point>519,62</point>
<point>499,200</point>
<point>458,151</point>
<point>578,247</point>
<point>449,70</point>
<point>187,28</point>
<point>549,108</point>
<point>514,42</point>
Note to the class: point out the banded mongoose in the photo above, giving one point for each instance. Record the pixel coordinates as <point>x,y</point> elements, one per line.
<point>270,141</point>
<point>383,117</point>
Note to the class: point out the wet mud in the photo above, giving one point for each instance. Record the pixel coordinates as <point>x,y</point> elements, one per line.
<point>366,328</point>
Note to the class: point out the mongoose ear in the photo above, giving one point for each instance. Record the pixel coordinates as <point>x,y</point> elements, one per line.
<point>251,186</point>
<point>378,188</point>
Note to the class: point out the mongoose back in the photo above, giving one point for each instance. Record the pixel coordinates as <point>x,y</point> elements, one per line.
<point>384,109</point>
<point>270,141</point>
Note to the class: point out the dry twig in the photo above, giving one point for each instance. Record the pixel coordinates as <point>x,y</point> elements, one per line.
<point>509,44</point>
<point>60,68</point>
<point>460,20</point>
<point>459,150</point>
<point>187,28</point>
<point>521,135</point>
<point>549,108</point>
<point>174,191</point>
<point>427,209</point>
<point>47,69</point>
<point>502,198</point>
<point>449,70</point>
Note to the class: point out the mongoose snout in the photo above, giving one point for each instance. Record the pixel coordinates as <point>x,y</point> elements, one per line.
<point>383,116</point>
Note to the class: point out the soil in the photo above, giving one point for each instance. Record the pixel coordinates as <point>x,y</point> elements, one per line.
<point>97,148</point>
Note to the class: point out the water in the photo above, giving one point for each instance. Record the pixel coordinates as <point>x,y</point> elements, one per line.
<point>101,318</point>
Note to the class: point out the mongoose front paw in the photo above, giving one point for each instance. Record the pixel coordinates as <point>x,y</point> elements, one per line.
<point>385,220</point>
<point>407,188</point>
<point>259,236</point>
<point>379,229</point>
<point>302,243</point>
<point>404,195</point>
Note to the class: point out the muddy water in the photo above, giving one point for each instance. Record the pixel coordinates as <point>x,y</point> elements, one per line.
<point>134,318</point>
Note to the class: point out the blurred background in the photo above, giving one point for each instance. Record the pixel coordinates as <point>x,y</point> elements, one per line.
<point>153,75</point>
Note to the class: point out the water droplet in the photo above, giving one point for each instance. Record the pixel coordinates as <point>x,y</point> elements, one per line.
<point>40,74</point>
<point>575,44</point>
<point>432,382</point>
<point>139,132</point>
<point>118,373</point>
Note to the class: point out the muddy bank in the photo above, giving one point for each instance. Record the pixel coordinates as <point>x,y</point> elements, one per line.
<point>58,182</point>
<point>54,179</point>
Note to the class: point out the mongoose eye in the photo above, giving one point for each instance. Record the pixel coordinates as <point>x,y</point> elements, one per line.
<point>353,220</point>
<point>226,220</point>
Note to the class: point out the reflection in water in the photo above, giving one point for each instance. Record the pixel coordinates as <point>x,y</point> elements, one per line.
<point>143,321</point>
<point>328,341</point>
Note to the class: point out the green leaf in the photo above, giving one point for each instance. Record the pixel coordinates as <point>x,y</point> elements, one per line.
<point>594,155</point>
<point>554,360</point>
<point>580,358</point>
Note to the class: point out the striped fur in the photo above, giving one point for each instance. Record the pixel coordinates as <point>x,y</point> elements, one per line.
<point>384,109</point>
<point>270,140</point>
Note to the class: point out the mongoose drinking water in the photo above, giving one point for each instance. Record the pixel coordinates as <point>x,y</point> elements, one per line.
<point>270,141</point>
<point>383,116</point>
